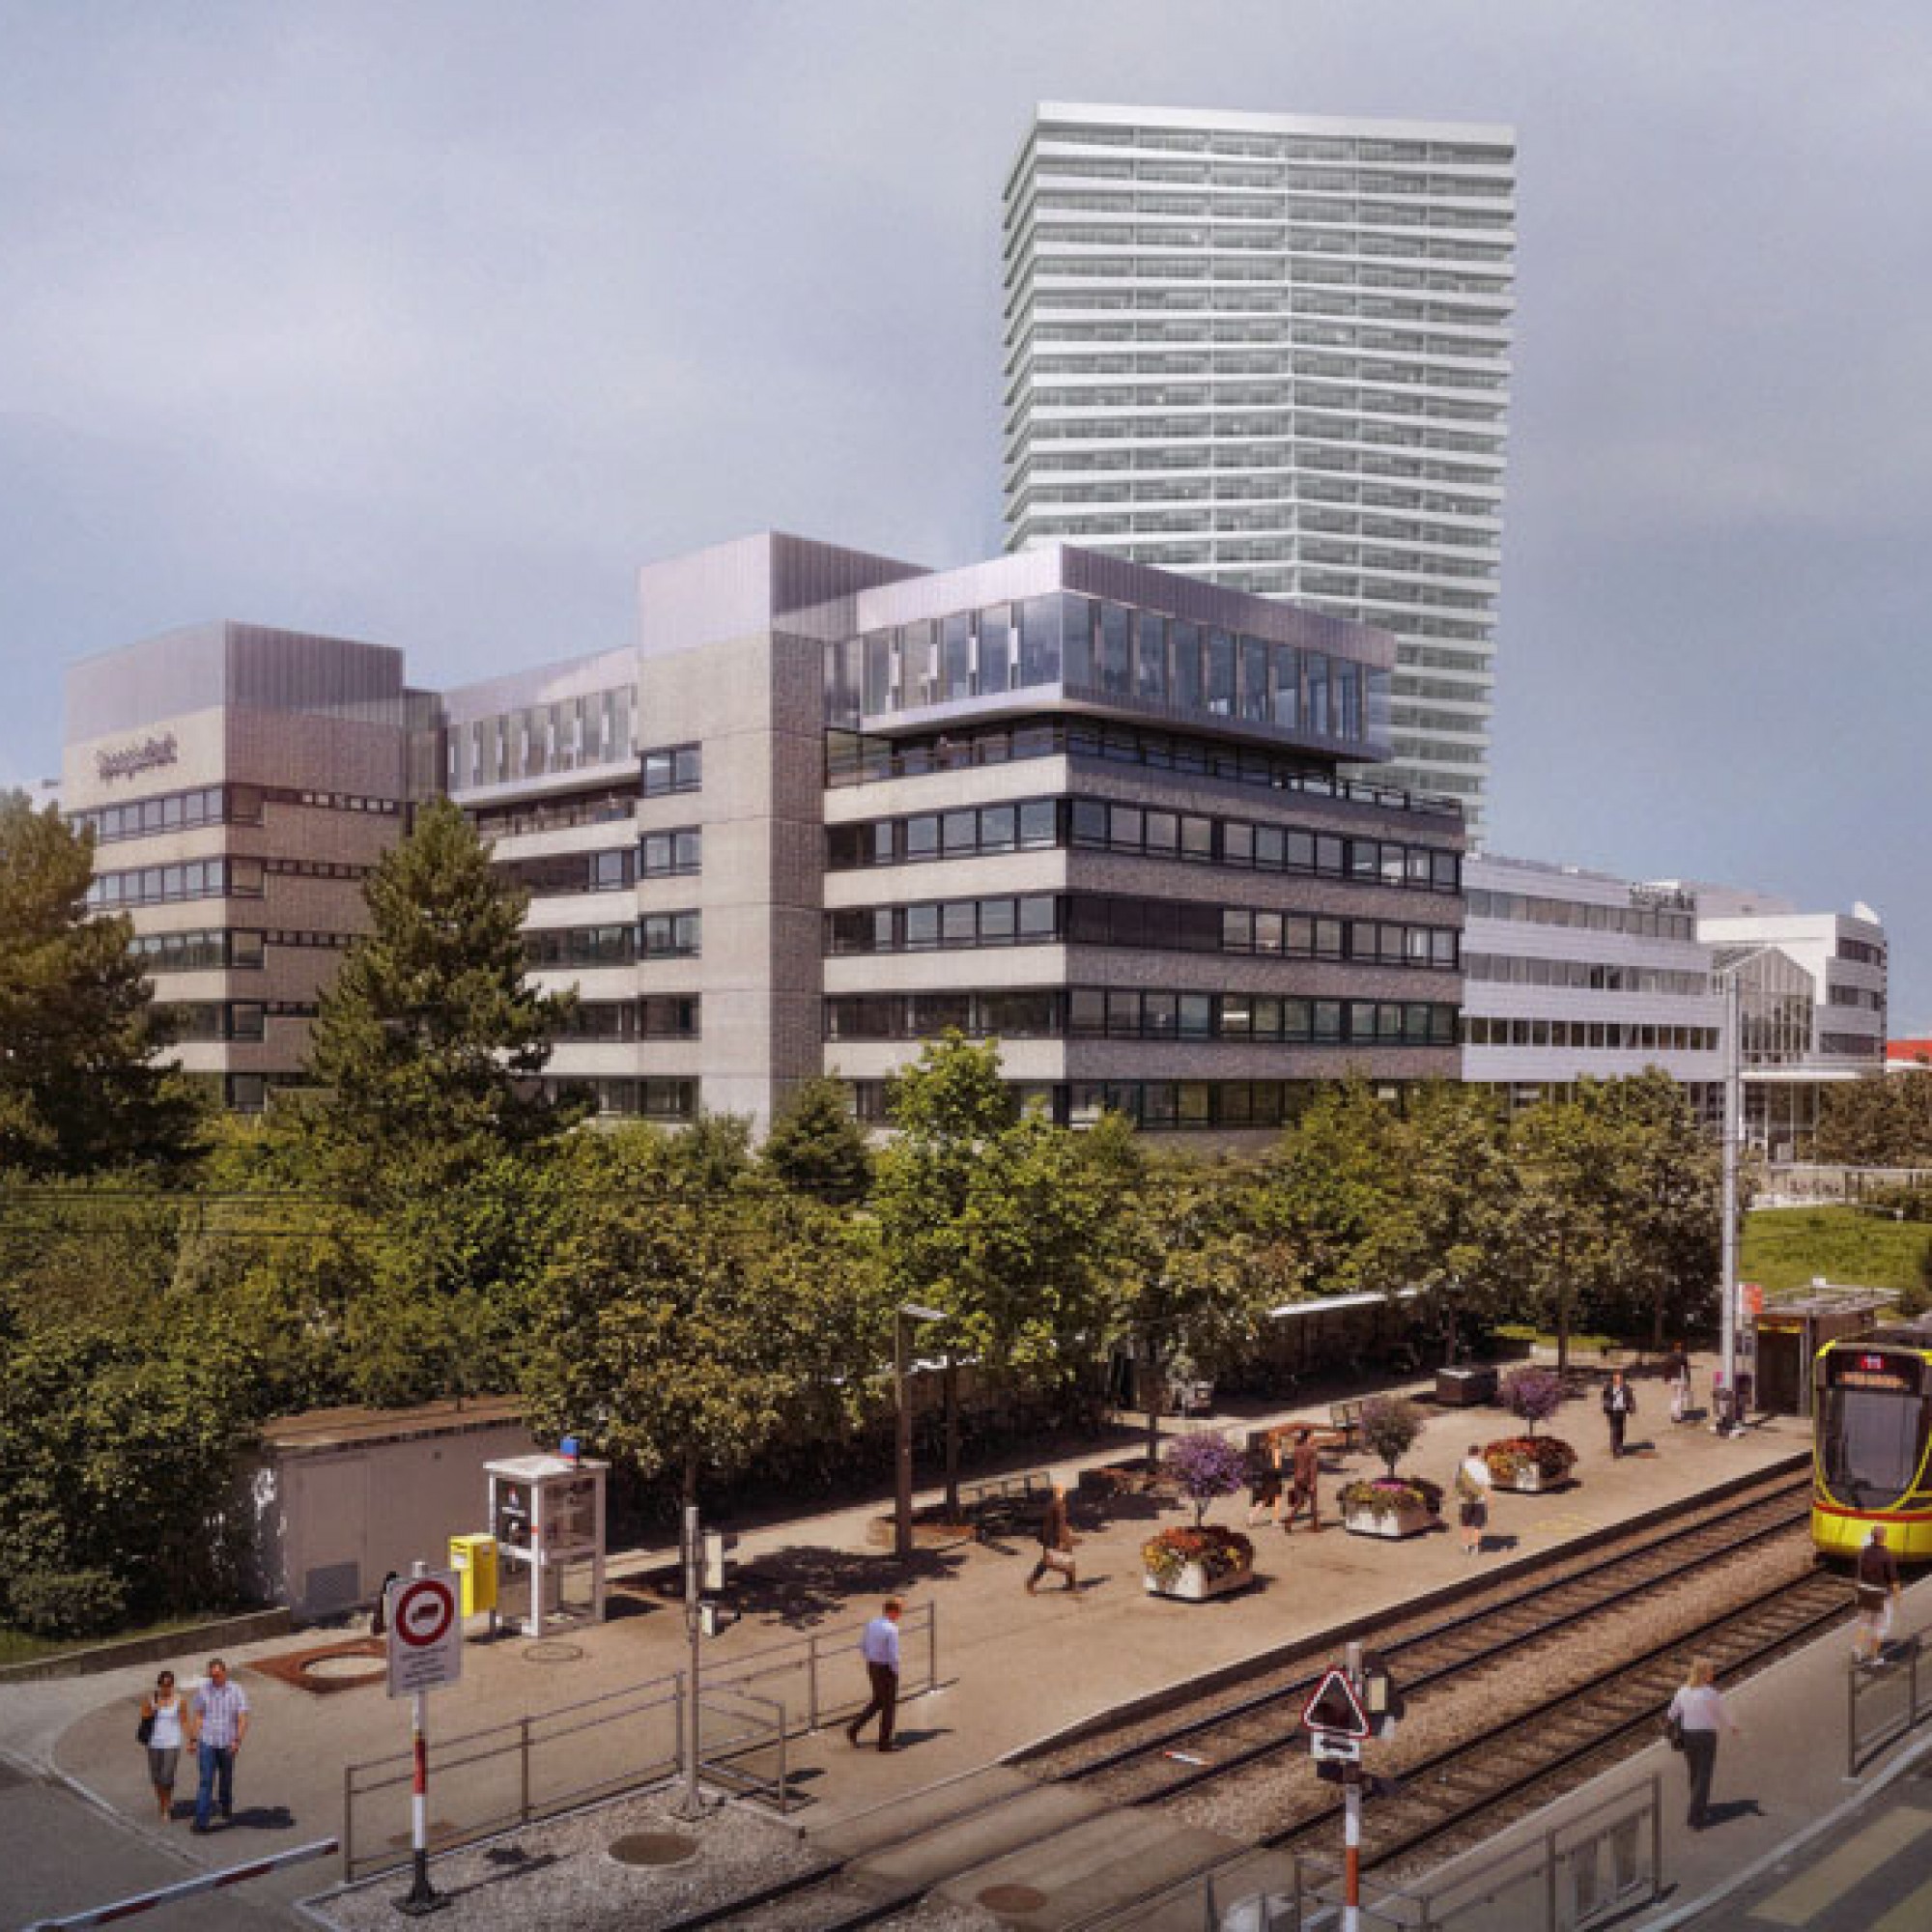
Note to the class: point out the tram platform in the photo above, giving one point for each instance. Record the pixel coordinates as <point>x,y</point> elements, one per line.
<point>1013,1668</point>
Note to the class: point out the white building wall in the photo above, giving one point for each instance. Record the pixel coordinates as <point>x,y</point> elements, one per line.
<point>1273,350</point>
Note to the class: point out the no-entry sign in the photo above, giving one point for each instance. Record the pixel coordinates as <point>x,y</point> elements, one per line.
<point>425,1632</point>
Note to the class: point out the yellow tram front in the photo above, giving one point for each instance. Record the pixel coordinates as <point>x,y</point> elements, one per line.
<point>1869,1449</point>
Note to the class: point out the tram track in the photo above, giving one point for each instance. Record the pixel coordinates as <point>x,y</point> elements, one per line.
<point>1207,1787</point>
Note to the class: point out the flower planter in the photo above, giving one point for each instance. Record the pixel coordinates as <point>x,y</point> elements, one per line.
<point>1192,1584</point>
<point>1525,1482</point>
<point>1405,1519</point>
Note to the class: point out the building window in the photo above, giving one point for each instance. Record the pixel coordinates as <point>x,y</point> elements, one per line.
<point>673,854</point>
<point>671,935</point>
<point>674,768</point>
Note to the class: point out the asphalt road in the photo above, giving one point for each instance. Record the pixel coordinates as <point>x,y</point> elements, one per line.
<point>58,1853</point>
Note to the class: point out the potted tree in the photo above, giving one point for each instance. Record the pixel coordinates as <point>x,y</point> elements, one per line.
<point>1531,1462</point>
<point>1390,1505</point>
<point>1203,1560</point>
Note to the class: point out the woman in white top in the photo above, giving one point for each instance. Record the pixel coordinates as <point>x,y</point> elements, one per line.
<point>163,1705</point>
<point>1700,1716</point>
<point>1473,1483</point>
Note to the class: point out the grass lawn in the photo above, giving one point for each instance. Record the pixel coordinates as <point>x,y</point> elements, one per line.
<point>1785,1247</point>
<point>18,1647</point>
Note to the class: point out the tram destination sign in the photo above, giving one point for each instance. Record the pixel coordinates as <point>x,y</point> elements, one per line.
<point>1867,1369</point>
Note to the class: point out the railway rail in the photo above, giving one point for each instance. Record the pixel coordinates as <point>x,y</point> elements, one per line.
<point>1534,1684</point>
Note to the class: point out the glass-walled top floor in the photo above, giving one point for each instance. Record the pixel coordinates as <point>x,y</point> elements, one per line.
<point>1114,655</point>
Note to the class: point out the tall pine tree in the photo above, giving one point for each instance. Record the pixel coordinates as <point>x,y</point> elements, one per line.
<point>427,1048</point>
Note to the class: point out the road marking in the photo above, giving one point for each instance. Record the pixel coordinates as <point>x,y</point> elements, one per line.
<point>1909,1914</point>
<point>1803,1898</point>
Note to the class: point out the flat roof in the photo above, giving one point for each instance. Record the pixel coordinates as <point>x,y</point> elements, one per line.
<point>344,1427</point>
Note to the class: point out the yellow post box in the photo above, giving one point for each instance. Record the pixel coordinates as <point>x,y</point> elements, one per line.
<point>473,1558</point>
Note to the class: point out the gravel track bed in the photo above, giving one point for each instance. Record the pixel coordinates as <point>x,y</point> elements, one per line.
<point>558,1876</point>
<point>1261,1802</point>
<point>1061,1761</point>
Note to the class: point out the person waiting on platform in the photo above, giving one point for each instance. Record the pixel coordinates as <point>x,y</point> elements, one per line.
<point>1878,1592</point>
<point>1699,1713</point>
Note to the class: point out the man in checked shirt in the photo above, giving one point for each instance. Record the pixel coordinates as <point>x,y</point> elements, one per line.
<point>217,1723</point>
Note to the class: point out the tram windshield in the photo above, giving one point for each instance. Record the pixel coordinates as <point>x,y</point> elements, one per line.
<point>1871,1444</point>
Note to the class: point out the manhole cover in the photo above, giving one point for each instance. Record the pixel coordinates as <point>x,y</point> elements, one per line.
<point>341,1669</point>
<point>1012,1898</point>
<point>552,1653</point>
<point>653,1848</point>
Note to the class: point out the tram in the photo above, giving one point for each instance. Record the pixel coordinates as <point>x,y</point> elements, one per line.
<point>1872,1434</point>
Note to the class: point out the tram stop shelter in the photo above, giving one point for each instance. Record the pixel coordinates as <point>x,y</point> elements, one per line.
<point>1791,1329</point>
<point>547,1515</point>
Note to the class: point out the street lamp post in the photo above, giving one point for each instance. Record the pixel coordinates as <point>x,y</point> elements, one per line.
<point>1727,1286</point>
<point>903,1317</point>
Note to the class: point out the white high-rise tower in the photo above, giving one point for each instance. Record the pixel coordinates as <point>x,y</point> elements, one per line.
<point>1273,352</point>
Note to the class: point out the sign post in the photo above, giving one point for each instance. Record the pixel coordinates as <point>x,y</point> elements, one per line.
<point>426,1651</point>
<point>1337,1721</point>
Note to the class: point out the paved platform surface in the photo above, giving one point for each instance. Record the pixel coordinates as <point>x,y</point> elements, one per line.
<point>1013,1668</point>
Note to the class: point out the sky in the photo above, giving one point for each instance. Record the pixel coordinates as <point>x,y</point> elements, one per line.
<point>430,322</point>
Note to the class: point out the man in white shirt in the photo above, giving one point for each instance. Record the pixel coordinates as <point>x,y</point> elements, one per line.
<point>879,1646</point>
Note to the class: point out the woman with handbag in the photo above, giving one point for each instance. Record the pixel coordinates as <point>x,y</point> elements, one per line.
<point>160,1731</point>
<point>1695,1716</point>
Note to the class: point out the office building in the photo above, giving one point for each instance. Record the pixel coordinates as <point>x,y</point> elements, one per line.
<point>1573,975</point>
<point>827,805</point>
<point>1272,352</point>
<point>241,783</point>
<point>1811,1003</point>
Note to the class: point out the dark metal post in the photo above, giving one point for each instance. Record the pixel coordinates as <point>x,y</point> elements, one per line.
<point>902,1453</point>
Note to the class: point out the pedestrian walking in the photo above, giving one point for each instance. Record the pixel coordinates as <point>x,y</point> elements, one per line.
<point>379,1617</point>
<point>217,1723</point>
<point>1699,1712</point>
<point>1264,1481</point>
<point>1473,1483</point>
<point>1056,1542</point>
<point>1677,1370</point>
<point>879,1646</point>
<point>1619,1405</point>
<point>1878,1589</point>
<point>1304,1479</point>
<point>160,1731</point>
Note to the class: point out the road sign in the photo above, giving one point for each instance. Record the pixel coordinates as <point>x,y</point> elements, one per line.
<point>1331,1747</point>
<point>425,1632</point>
<point>1335,1708</point>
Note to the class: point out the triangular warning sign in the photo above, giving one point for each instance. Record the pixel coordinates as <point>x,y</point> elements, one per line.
<point>1335,1708</point>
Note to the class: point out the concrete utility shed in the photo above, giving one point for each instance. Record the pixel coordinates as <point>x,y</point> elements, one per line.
<point>341,1496</point>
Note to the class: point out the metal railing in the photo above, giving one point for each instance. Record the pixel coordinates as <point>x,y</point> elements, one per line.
<point>1576,1876</point>
<point>510,1774</point>
<point>821,1673</point>
<point>1881,1702</point>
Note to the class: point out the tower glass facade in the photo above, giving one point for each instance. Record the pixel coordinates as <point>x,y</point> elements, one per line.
<point>1272,352</point>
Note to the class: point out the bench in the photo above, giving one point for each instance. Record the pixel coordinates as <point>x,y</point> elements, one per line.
<point>1343,1433</point>
<point>1345,1419</point>
<point>1001,1505</point>
<point>1190,1395</point>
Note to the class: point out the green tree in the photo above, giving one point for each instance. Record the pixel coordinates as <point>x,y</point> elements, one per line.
<point>83,1087</point>
<point>1328,1186</point>
<point>1667,1174</point>
<point>993,1216</point>
<point>1566,1234</point>
<point>1883,1121</point>
<point>1178,1251</point>
<point>816,1146</point>
<point>1444,1231</point>
<point>427,1048</point>
<point>681,1329</point>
